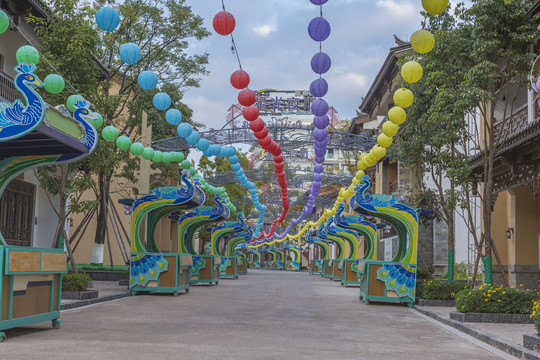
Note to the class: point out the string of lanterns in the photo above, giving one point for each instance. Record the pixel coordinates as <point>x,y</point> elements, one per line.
<point>422,42</point>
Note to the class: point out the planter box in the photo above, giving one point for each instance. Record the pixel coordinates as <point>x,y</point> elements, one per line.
<point>79,295</point>
<point>531,342</point>
<point>491,318</point>
<point>444,303</point>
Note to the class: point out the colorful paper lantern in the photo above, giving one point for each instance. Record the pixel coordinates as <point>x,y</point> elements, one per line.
<point>246,97</point>
<point>318,2</point>
<point>166,157</point>
<point>184,130</point>
<point>109,133</point>
<point>240,79</point>
<point>130,53</point>
<point>390,129</point>
<point>397,115</point>
<point>148,153</point>
<point>403,98</point>
<point>72,100</point>
<point>54,83</point>
<point>257,125</point>
<point>158,156</point>
<point>203,144</point>
<point>411,72</point>
<point>250,113</point>
<point>319,107</point>
<point>177,156</point>
<point>98,121</point>
<point>320,63</point>
<point>193,138</point>
<point>136,149</point>
<point>173,116</point>
<point>123,142</point>
<point>321,122</point>
<point>161,101</point>
<point>224,23</point>
<point>186,164</point>
<point>319,29</point>
<point>384,141</point>
<point>265,142</point>
<point>4,22</point>
<point>319,87</point>
<point>434,7</point>
<point>147,80</point>
<point>27,54</point>
<point>537,85</point>
<point>107,18</point>
<point>422,41</point>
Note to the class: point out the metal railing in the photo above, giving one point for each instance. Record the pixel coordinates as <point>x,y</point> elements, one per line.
<point>8,91</point>
<point>513,124</point>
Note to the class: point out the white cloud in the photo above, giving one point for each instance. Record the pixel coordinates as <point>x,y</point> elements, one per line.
<point>399,9</point>
<point>264,30</point>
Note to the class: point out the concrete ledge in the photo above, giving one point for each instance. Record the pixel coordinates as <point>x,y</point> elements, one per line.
<point>104,275</point>
<point>79,295</point>
<point>491,318</point>
<point>531,342</point>
<point>501,344</point>
<point>445,303</point>
<point>82,303</point>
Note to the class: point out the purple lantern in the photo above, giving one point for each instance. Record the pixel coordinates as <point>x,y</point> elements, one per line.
<point>537,85</point>
<point>320,63</point>
<point>319,168</point>
<point>318,2</point>
<point>317,177</point>
<point>319,107</point>
<point>318,88</point>
<point>319,134</point>
<point>321,122</point>
<point>319,159</point>
<point>319,29</point>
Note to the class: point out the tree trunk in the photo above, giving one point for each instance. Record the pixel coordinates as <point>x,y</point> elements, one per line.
<point>101,225</point>
<point>451,246</point>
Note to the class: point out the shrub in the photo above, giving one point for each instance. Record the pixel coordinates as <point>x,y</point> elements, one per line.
<point>462,271</point>
<point>76,282</point>
<point>536,316</point>
<point>439,290</point>
<point>488,299</point>
<point>422,274</point>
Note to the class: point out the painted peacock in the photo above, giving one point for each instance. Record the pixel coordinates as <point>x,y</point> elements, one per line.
<point>16,119</point>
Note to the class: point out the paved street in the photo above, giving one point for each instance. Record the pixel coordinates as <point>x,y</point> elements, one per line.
<point>263,315</point>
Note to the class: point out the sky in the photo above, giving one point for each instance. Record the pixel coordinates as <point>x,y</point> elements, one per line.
<point>275,49</point>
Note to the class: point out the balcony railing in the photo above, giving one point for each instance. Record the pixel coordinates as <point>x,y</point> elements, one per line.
<point>8,91</point>
<point>512,126</point>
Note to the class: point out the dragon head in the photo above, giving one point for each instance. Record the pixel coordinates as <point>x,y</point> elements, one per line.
<point>26,71</point>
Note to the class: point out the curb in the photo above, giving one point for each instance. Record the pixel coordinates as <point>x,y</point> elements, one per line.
<point>506,346</point>
<point>78,304</point>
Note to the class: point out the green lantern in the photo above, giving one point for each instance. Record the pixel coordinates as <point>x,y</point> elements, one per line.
<point>167,157</point>
<point>192,171</point>
<point>109,133</point>
<point>28,55</point>
<point>136,149</point>
<point>177,156</point>
<point>97,122</point>
<point>4,22</point>
<point>70,103</point>
<point>158,156</point>
<point>148,153</point>
<point>123,142</point>
<point>54,84</point>
<point>186,164</point>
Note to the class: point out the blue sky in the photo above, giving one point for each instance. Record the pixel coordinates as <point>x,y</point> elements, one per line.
<point>275,49</point>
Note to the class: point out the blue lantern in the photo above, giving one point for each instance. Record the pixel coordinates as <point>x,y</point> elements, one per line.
<point>147,80</point>
<point>161,101</point>
<point>203,145</point>
<point>193,138</point>
<point>130,53</point>
<point>184,130</point>
<point>107,18</point>
<point>173,116</point>
<point>234,159</point>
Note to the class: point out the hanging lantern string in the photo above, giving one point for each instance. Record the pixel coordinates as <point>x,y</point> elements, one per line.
<point>232,40</point>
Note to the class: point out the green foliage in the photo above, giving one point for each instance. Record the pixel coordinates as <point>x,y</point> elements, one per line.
<point>460,271</point>
<point>504,300</point>
<point>76,282</point>
<point>423,274</point>
<point>535,315</point>
<point>439,290</point>
<point>100,267</point>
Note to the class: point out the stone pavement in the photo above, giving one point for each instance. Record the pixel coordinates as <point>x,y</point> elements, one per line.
<point>262,315</point>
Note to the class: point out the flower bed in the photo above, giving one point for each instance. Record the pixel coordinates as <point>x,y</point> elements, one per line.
<point>496,300</point>
<point>439,290</point>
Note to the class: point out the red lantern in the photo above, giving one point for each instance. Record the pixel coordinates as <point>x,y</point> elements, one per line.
<point>250,113</point>
<point>257,125</point>
<point>224,23</point>
<point>277,150</point>
<point>240,79</point>
<point>261,134</point>
<point>278,159</point>
<point>264,142</point>
<point>279,167</point>
<point>246,97</point>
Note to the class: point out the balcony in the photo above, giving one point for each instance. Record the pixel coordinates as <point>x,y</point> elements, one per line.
<point>8,91</point>
<point>513,125</point>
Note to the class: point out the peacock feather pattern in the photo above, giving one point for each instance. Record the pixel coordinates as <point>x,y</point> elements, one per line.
<point>145,268</point>
<point>198,264</point>
<point>400,278</point>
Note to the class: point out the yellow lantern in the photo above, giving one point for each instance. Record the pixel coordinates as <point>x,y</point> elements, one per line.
<point>397,115</point>
<point>381,152</point>
<point>422,41</point>
<point>384,141</point>
<point>359,174</point>
<point>434,7</point>
<point>356,180</point>
<point>411,72</point>
<point>403,97</point>
<point>390,129</point>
